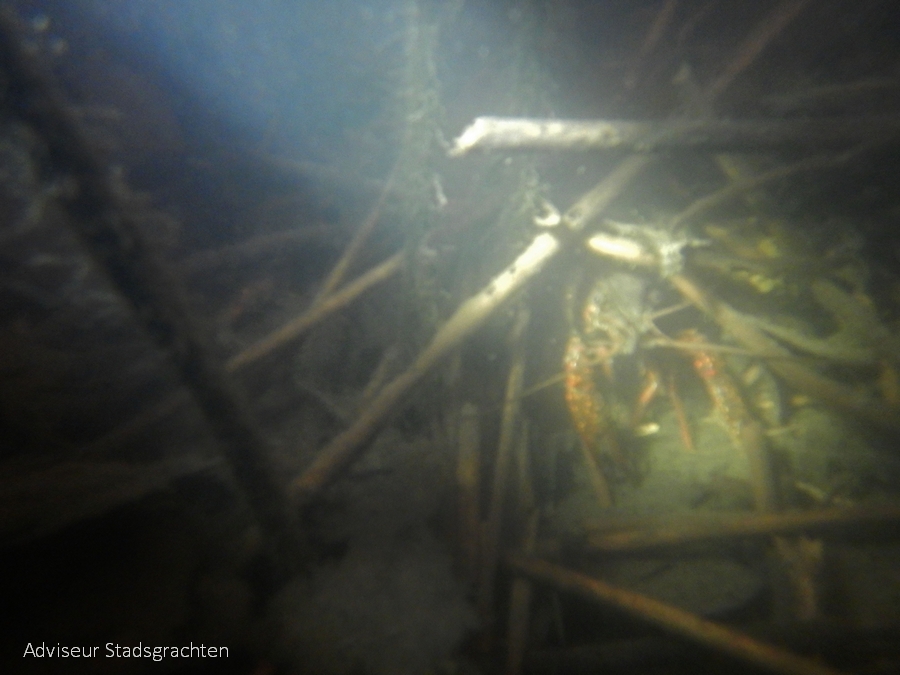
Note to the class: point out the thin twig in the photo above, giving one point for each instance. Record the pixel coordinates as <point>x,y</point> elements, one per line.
<point>337,274</point>
<point>508,426</point>
<point>737,188</point>
<point>766,30</point>
<point>594,202</point>
<point>325,307</point>
<point>641,534</point>
<point>661,21</point>
<point>261,244</point>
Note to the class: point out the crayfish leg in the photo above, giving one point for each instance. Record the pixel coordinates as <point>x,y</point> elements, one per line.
<point>590,413</point>
<point>649,390</point>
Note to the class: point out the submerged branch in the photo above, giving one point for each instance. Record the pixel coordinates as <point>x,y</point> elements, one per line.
<point>495,133</point>
<point>324,307</point>
<point>670,618</point>
<point>658,532</point>
<point>470,315</point>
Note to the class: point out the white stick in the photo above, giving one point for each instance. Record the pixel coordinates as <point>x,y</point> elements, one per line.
<point>470,315</point>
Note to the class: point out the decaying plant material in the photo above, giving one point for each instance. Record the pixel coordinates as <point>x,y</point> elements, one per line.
<point>614,376</point>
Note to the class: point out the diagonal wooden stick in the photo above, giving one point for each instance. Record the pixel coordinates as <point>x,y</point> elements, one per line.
<point>502,465</point>
<point>338,454</point>
<point>739,187</point>
<point>325,306</point>
<point>643,533</point>
<point>337,274</point>
<point>651,40</point>
<point>673,619</point>
<point>768,28</point>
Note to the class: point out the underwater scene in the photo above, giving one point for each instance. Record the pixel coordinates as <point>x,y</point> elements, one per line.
<point>455,337</point>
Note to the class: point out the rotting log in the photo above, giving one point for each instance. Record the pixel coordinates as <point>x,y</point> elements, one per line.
<point>669,618</point>
<point>520,604</point>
